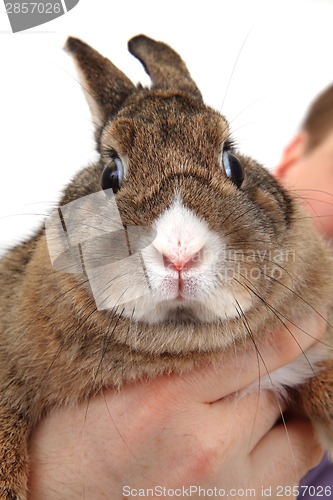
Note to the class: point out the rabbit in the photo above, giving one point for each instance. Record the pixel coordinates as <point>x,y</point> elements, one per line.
<point>170,250</point>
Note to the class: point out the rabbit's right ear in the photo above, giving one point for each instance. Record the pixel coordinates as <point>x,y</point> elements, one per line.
<point>105,86</point>
<point>164,66</point>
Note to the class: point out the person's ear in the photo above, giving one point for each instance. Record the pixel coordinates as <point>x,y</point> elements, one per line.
<point>291,154</point>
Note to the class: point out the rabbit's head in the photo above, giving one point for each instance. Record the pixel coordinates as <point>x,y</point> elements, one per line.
<point>192,232</point>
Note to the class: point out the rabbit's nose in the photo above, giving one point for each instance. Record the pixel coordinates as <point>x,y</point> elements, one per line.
<point>184,262</point>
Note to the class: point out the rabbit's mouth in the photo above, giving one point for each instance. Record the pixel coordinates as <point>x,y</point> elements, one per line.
<point>209,309</point>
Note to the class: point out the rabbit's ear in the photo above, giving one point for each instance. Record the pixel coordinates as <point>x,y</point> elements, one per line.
<point>164,66</point>
<point>105,86</point>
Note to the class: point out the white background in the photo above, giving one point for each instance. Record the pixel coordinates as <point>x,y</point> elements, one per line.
<point>260,62</point>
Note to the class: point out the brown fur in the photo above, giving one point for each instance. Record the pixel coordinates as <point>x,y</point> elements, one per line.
<point>56,348</point>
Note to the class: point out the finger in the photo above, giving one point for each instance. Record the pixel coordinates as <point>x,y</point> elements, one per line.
<point>293,449</point>
<point>233,371</point>
<point>246,419</point>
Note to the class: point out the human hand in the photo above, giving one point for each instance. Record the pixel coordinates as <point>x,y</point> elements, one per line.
<point>178,432</point>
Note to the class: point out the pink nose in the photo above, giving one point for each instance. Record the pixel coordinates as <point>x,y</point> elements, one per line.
<point>179,265</point>
<point>183,263</point>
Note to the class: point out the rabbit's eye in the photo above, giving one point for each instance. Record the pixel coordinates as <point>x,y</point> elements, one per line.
<point>112,175</point>
<point>232,167</point>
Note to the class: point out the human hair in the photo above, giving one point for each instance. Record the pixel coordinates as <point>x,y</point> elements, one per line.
<point>318,121</point>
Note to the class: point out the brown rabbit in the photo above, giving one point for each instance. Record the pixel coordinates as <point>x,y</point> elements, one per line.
<point>168,251</point>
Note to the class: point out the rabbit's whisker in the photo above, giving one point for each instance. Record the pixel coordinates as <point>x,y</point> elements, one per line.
<point>234,68</point>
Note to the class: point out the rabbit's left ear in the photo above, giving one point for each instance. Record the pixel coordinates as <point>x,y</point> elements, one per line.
<point>105,86</point>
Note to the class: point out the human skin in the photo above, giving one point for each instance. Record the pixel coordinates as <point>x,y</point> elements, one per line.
<point>178,431</point>
<point>309,175</point>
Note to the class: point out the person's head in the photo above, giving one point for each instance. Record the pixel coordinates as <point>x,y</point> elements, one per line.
<point>307,163</point>
<point>318,122</point>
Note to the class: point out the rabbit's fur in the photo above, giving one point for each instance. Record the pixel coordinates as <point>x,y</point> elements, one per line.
<point>57,347</point>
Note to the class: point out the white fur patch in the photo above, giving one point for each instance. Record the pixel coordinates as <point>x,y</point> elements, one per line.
<point>203,295</point>
<point>295,373</point>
